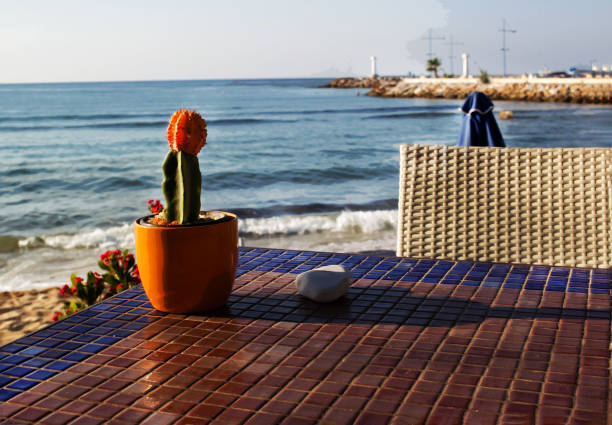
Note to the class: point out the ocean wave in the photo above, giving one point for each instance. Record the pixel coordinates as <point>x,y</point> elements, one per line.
<point>369,222</point>
<point>95,185</point>
<point>25,171</point>
<point>119,236</point>
<point>247,121</point>
<point>127,124</point>
<point>137,124</point>
<point>411,115</point>
<point>364,110</point>
<point>79,117</point>
<point>332,175</point>
<point>313,208</point>
<point>113,183</point>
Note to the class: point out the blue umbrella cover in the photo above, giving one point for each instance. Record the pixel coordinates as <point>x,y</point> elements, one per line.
<point>479,127</point>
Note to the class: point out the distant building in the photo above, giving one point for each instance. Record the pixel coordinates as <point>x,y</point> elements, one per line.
<point>579,71</point>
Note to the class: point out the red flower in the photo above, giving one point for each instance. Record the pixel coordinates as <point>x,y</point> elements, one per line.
<point>65,291</point>
<point>56,316</point>
<point>105,257</point>
<point>154,206</point>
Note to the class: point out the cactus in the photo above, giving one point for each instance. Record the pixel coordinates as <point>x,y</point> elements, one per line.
<point>182,178</point>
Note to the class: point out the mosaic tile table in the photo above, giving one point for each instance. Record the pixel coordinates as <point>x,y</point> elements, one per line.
<point>414,341</point>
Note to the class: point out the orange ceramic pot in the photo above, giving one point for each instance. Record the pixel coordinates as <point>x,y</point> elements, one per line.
<point>187,268</point>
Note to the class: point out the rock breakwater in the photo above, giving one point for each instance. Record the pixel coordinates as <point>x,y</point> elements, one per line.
<point>583,90</point>
<point>361,83</point>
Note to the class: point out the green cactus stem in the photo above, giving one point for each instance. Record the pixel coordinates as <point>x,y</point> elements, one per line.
<point>182,185</point>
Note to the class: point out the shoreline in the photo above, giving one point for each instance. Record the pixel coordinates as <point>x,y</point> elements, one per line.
<point>561,90</point>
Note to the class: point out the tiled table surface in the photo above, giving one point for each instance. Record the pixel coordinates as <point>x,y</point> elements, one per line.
<point>414,341</point>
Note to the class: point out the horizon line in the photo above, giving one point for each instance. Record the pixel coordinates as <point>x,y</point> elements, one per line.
<point>173,80</point>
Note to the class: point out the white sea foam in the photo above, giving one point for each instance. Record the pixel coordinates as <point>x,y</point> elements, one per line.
<point>346,221</point>
<point>119,236</point>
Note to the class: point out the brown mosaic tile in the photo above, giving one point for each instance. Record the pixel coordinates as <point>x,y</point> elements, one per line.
<point>132,415</point>
<point>160,418</point>
<point>31,414</point>
<point>105,411</point>
<point>26,398</point>
<point>51,403</point>
<point>8,409</point>
<point>58,418</point>
<point>87,420</point>
<point>178,407</point>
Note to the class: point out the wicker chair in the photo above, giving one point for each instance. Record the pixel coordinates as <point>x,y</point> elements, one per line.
<point>510,205</point>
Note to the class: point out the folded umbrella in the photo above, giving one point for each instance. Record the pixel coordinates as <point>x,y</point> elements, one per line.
<point>479,127</point>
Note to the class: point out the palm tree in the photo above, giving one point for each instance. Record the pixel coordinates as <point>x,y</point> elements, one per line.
<point>433,65</point>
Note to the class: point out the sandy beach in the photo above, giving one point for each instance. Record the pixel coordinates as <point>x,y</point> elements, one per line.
<point>22,312</point>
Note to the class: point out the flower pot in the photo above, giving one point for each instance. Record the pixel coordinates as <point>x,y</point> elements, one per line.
<point>188,268</point>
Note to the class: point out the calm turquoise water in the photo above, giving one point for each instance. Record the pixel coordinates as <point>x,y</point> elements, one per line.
<point>303,167</point>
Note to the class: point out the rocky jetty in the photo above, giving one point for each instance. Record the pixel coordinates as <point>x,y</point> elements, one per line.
<point>361,83</point>
<point>583,90</point>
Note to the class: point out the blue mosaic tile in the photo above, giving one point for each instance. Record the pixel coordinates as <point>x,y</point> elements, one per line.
<point>581,290</point>
<point>32,351</point>
<point>75,357</point>
<point>107,340</point>
<point>22,384</point>
<point>53,354</point>
<point>41,375</point>
<point>120,309</point>
<point>7,394</point>
<point>12,348</point>
<point>114,323</point>
<point>36,362</point>
<point>18,371</point>
<point>49,343</point>
<point>122,333</point>
<point>69,346</point>
<point>60,326</point>
<point>59,365</point>
<point>101,307</point>
<point>92,348</point>
<point>135,326</point>
<point>85,338</point>
<point>28,340</point>
<point>4,366</point>
<point>100,331</point>
<point>15,359</point>
<point>5,380</point>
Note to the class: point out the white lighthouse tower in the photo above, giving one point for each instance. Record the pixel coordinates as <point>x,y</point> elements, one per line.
<point>373,67</point>
<point>464,60</point>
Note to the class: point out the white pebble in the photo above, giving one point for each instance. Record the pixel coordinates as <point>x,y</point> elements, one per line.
<point>324,284</point>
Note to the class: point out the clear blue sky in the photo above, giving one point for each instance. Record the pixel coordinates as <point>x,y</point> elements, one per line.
<point>87,40</point>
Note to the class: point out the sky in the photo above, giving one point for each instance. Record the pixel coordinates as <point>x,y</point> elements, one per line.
<point>122,40</point>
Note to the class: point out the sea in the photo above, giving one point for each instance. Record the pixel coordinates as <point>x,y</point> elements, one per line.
<point>303,167</point>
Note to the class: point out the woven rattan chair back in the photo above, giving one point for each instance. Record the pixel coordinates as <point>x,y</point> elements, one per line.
<point>510,205</point>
